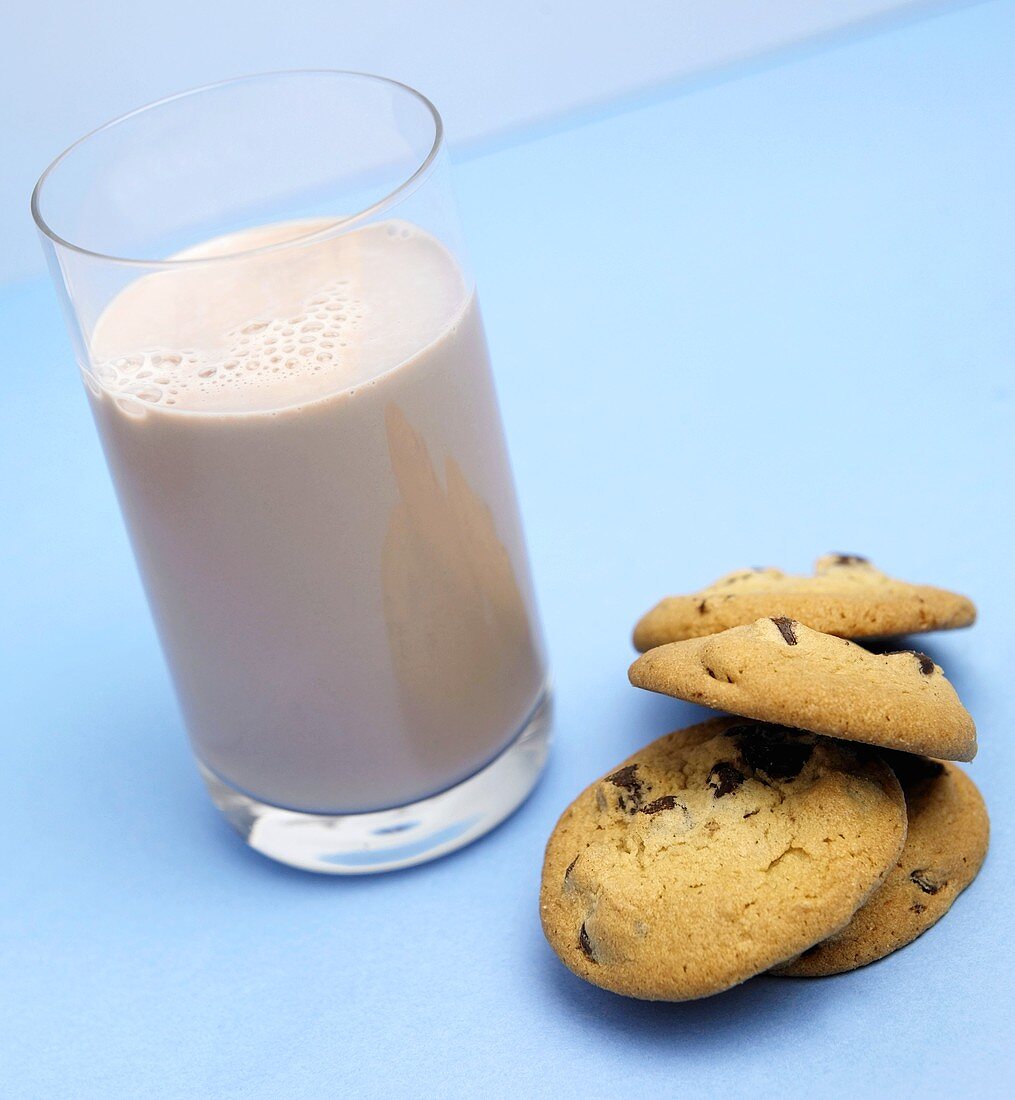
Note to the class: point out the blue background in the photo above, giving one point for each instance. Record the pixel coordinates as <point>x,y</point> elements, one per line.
<point>742,325</point>
<point>494,67</point>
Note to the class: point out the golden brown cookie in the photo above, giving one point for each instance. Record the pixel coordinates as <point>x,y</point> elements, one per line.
<point>715,853</point>
<point>945,847</point>
<point>846,596</point>
<point>781,671</point>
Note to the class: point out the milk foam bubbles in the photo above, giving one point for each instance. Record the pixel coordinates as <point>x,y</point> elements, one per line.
<point>308,344</point>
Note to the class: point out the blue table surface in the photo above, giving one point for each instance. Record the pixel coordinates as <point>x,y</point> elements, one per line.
<point>742,325</point>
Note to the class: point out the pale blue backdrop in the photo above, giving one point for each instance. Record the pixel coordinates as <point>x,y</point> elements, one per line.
<point>744,325</point>
<point>493,66</point>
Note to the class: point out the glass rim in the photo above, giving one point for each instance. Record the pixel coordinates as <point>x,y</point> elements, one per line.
<point>406,187</point>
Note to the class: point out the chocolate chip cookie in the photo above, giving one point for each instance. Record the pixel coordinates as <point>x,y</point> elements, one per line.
<point>846,596</point>
<point>781,671</point>
<point>716,853</point>
<point>945,847</point>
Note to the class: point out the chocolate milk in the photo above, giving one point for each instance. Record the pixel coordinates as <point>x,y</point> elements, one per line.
<point>307,449</point>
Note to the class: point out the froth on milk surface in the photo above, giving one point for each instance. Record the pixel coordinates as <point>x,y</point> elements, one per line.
<point>308,453</point>
<point>263,332</point>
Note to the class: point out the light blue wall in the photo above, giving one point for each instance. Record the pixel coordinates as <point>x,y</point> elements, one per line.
<point>488,64</point>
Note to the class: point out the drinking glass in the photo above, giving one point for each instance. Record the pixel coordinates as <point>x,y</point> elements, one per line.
<point>277,329</point>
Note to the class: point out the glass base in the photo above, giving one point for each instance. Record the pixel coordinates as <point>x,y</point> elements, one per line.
<point>385,840</point>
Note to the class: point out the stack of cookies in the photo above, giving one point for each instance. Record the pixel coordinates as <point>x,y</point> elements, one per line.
<point>817,826</point>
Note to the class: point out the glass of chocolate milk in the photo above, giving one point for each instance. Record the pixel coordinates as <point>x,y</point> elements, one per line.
<point>281,344</point>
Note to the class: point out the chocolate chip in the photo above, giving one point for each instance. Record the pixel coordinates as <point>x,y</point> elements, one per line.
<point>628,781</point>
<point>920,878</point>
<point>570,868</point>
<point>917,907</point>
<point>750,813</point>
<point>711,673</point>
<point>926,664</point>
<point>771,749</point>
<point>585,944</point>
<point>786,629</point>
<point>724,779</point>
<point>626,778</point>
<point>850,559</point>
<point>667,802</point>
<point>701,608</point>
